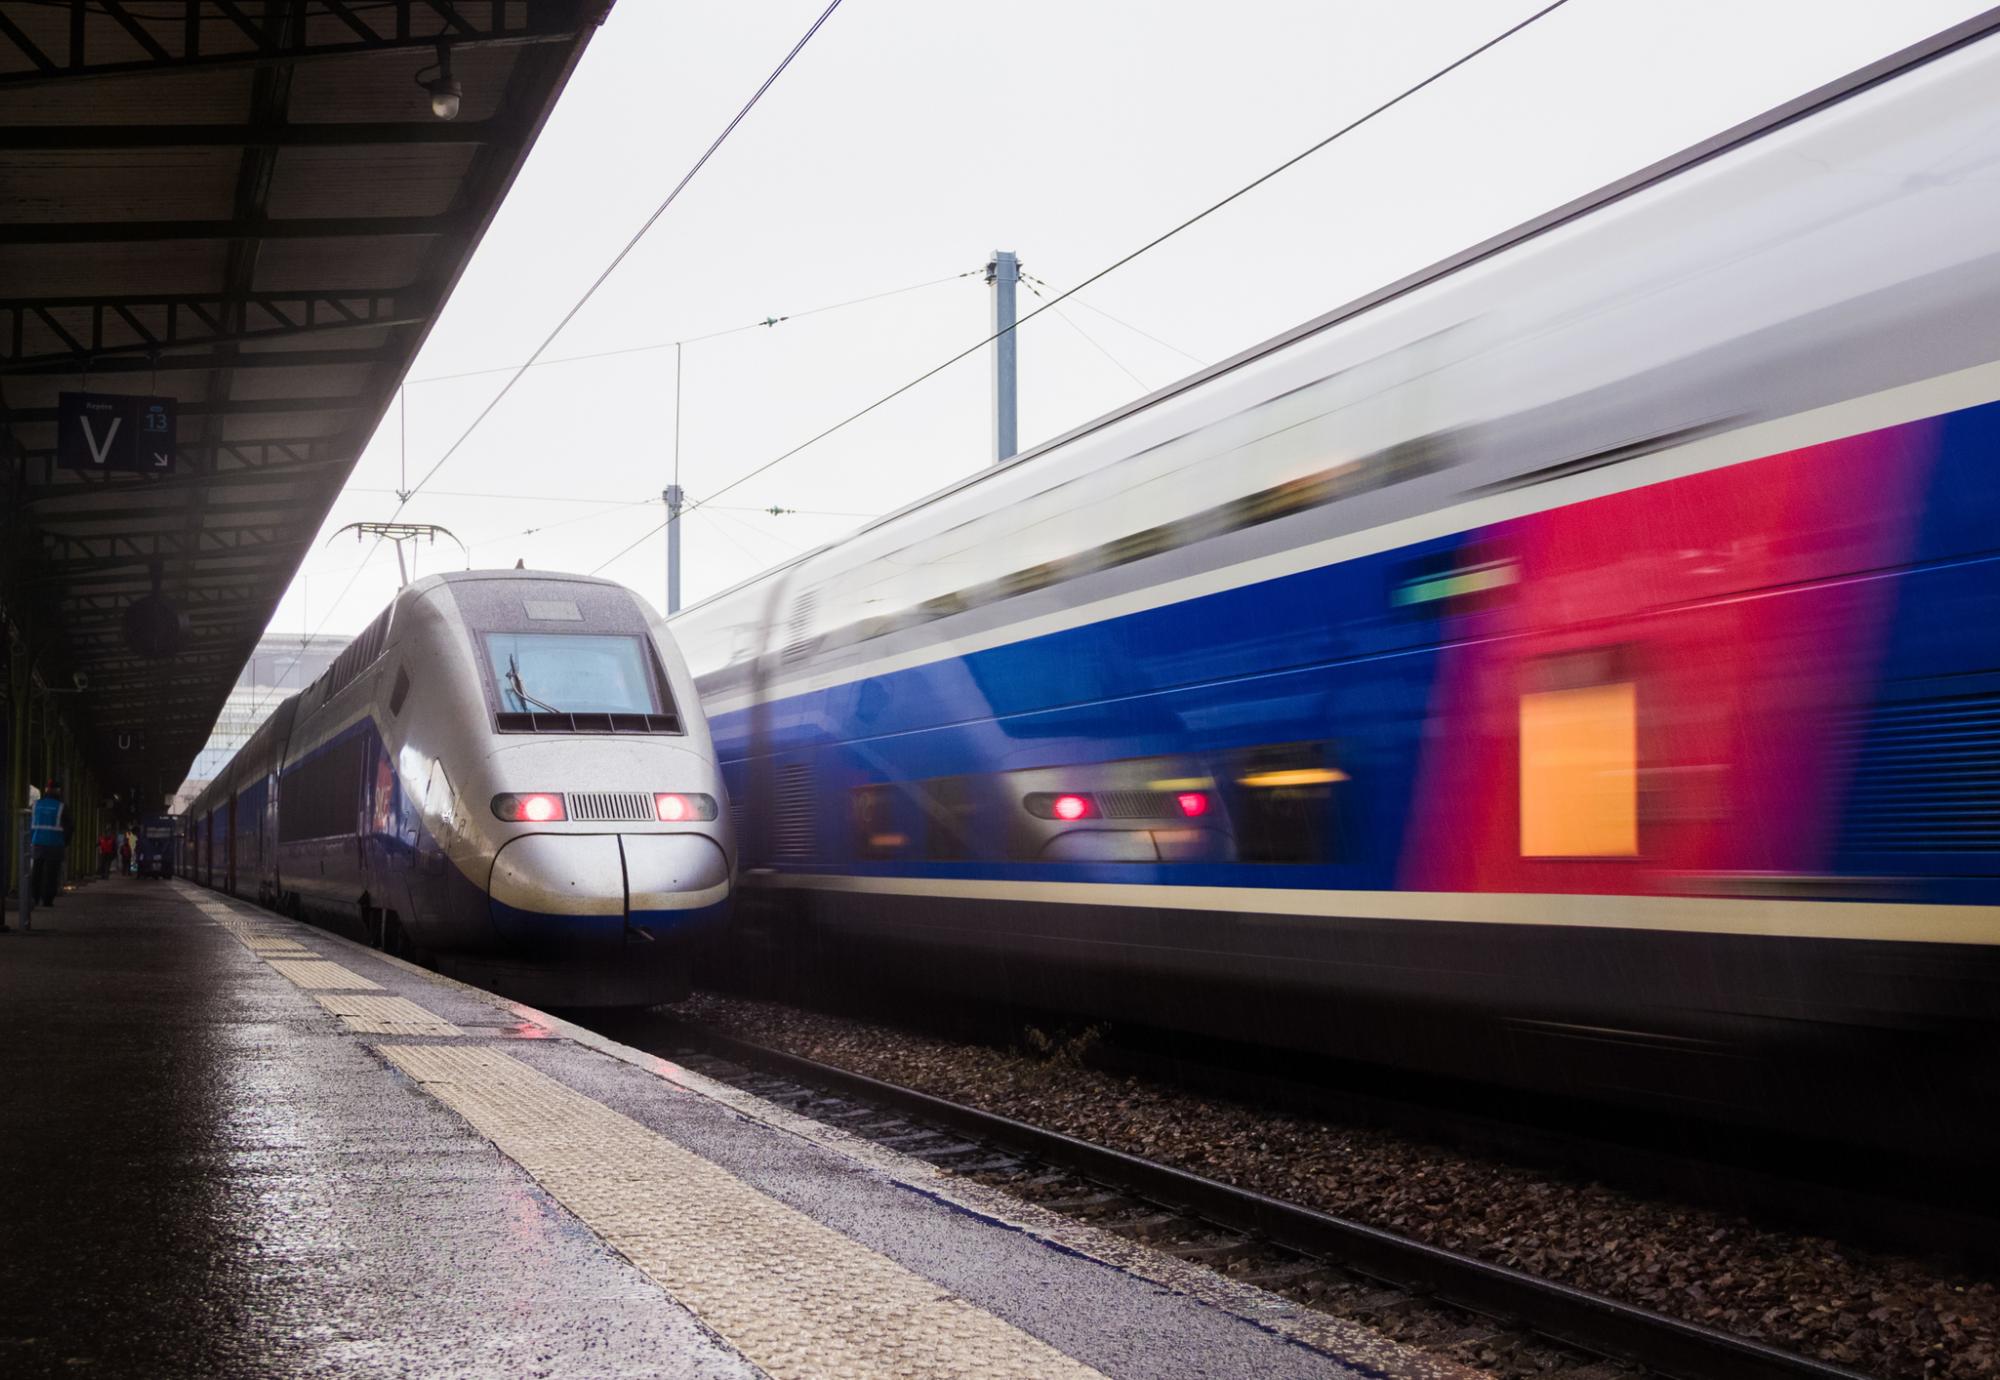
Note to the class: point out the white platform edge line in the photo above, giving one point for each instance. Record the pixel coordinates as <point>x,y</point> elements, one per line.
<point>1343,1340</point>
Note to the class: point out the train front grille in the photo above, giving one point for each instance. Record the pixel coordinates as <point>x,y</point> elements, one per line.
<point>609,807</point>
<point>1137,805</point>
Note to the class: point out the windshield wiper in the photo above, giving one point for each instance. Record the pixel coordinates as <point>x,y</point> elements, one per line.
<point>521,689</point>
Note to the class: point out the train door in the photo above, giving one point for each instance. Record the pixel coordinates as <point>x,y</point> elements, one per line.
<point>229,850</point>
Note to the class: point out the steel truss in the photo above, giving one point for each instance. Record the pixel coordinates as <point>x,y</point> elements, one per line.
<point>60,334</point>
<point>100,38</point>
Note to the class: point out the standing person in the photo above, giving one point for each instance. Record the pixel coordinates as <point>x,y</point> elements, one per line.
<point>107,849</point>
<point>124,852</point>
<point>47,837</point>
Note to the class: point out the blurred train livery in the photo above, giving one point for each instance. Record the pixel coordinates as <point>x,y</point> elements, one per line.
<point>507,774</point>
<point>1575,667</point>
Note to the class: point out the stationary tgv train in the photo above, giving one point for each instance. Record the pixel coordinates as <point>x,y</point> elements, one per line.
<point>507,772</point>
<point>1575,667</point>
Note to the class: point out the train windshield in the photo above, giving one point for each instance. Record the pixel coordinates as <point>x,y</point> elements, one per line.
<point>572,673</point>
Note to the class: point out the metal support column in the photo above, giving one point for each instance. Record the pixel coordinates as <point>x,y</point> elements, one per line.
<point>675,496</point>
<point>1003,273</point>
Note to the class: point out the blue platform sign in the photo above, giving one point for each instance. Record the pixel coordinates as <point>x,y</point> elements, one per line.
<point>115,431</point>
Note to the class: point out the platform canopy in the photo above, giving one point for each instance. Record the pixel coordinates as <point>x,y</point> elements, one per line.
<point>247,207</point>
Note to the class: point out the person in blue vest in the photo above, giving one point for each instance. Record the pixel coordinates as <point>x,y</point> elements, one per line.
<point>47,839</point>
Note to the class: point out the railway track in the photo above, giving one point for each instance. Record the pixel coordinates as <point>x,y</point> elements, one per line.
<point>1338,1265</point>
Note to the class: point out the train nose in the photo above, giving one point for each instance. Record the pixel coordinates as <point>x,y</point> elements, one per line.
<point>590,891</point>
<point>666,874</point>
<point>557,874</point>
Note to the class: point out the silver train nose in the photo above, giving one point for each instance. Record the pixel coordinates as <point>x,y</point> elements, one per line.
<point>609,874</point>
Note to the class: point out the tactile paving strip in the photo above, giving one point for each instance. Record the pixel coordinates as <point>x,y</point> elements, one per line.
<point>795,1297</point>
<point>320,975</point>
<point>385,1015</point>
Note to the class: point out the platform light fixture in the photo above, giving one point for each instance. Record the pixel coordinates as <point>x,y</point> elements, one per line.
<point>446,93</point>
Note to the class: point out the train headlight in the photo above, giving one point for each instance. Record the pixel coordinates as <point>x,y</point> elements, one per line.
<point>533,807</point>
<point>676,808</point>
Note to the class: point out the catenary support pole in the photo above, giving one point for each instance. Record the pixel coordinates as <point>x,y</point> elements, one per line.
<point>675,496</point>
<point>1003,273</point>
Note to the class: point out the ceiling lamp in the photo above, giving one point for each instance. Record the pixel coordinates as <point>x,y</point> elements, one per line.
<point>446,93</point>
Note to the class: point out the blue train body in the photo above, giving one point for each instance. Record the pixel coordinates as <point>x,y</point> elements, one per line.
<point>1576,668</point>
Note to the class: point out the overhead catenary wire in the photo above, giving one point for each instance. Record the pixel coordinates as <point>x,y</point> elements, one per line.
<point>1188,355</point>
<point>644,537</point>
<point>589,292</point>
<point>721,515</point>
<point>723,532</point>
<point>607,504</point>
<point>765,324</point>
<point>1091,340</point>
<point>515,376</point>
<point>616,506</point>
<point>1149,245</point>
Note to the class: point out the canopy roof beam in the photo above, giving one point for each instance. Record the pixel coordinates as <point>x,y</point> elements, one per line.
<point>242,228</point>
<point>97,38</point>
<point>110,138</point>
<point>110,333</point>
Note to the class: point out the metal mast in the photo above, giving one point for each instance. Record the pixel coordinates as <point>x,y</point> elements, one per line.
<point>1003,273</point>
<point>675,496</point>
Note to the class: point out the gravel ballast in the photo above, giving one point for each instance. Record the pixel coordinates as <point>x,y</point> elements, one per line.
<point>1879,1314</point>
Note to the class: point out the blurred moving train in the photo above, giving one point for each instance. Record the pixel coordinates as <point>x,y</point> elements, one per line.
<point>1575,667</point>
<point>507,773</point>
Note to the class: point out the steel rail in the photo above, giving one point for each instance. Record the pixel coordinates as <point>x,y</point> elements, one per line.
<point>1574,1316</point>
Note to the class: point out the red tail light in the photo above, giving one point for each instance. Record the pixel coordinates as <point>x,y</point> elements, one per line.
<point>673,808</point>
<point>1071,807</point>
<point>1193,804</point>
<point>534,807</point>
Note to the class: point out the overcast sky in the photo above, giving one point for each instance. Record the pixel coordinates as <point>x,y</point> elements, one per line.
<point>911,139</point>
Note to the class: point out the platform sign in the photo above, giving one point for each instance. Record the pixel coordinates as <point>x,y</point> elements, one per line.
<point>115,431</point>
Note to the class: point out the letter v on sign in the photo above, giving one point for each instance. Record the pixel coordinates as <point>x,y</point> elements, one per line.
<point>97,452</point>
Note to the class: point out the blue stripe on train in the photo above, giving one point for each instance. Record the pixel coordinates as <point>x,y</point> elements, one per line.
<point>1323,655</point>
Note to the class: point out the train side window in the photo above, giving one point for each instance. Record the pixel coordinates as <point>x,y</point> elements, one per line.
<point>1464,579</point>
<point>401,691</point>
<point>1283,802</point>
<point>1579,725</point>
<point>878,833</point>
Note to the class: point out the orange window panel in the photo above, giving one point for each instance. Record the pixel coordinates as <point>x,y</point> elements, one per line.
<point>1580,772</point>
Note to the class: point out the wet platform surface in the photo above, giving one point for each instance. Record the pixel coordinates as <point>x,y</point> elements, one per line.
<point>232,1145</point>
